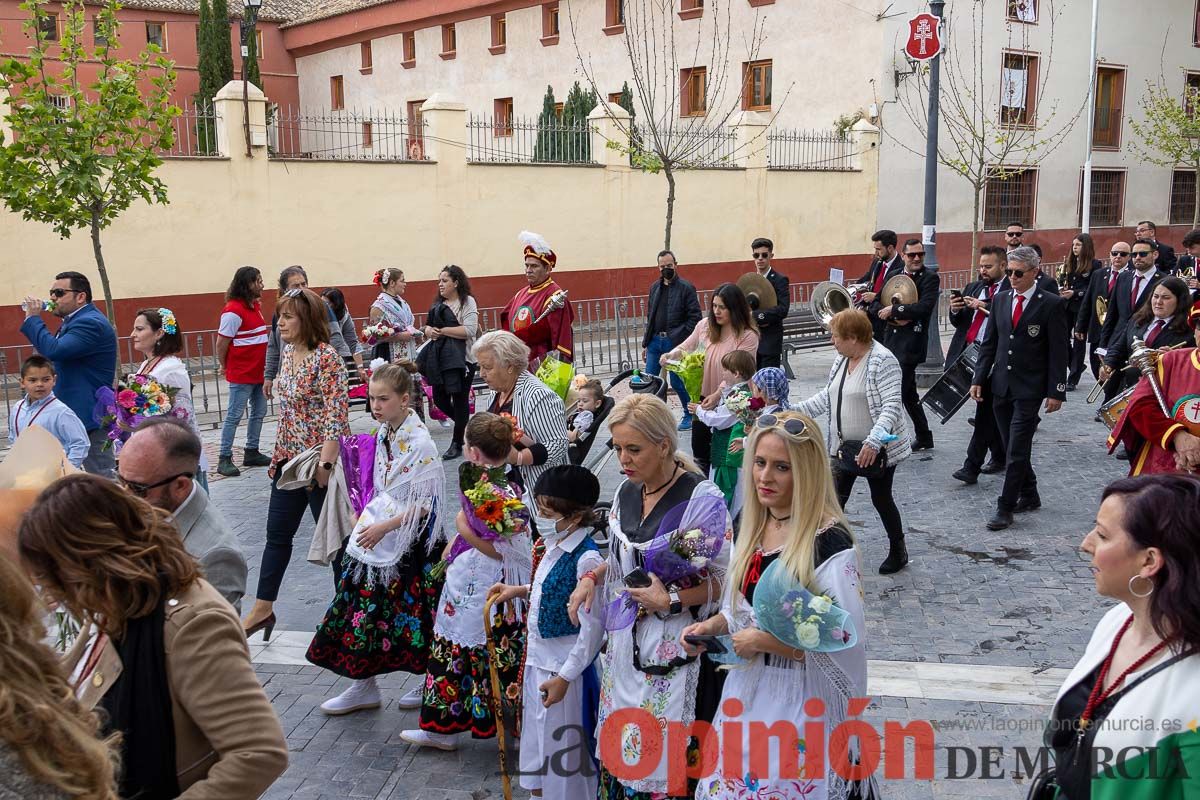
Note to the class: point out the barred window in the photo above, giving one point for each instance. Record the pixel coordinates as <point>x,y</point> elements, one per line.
<point>1008,197</point>
<point>1183,197</point>
<point>1108,198</point>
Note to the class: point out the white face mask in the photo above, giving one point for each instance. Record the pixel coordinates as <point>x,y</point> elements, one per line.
<point>549,525</point>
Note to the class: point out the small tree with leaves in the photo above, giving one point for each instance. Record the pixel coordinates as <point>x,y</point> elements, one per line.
<point>209,69</point>
<point>81,154</point>
<point>251,64</point>
<point>577,137</point>
<point>221,42</point>
<point>1169,133</point>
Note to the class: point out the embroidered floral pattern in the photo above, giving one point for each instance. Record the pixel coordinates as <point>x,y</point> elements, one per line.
<point>312,401</point>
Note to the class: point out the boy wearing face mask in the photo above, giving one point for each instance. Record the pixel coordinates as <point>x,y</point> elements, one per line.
<point>672,311</point>
<point>561,685</point>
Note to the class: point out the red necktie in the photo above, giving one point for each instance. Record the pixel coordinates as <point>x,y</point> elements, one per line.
<point>980,316</point>
<point>1133,297</point>
<point>1017,310</point>
<point>883,268</point>
<point>1112,279</point>
<point>1155,329</point>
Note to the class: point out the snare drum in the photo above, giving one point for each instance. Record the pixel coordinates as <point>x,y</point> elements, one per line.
<point>1111,411</point>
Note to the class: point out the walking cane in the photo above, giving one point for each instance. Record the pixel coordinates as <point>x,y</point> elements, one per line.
<point>497,708</point>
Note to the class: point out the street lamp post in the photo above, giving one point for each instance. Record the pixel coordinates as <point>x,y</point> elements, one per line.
<point>251,19</point>
<point>929,372</point>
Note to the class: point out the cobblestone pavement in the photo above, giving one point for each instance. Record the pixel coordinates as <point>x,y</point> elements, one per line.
<point>973,635</point>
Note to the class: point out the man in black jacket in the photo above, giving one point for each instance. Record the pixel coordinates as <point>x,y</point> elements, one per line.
<point>770,319</point>
<point>1100,285</point>
<point>907,336</point>
<point>969,314</point>
<point>1190,263</point>
<point>887,263</point>
<point>1164,254</point>
<point>671,314</point>
<point>1024,356</point>
<point>1131,291</point>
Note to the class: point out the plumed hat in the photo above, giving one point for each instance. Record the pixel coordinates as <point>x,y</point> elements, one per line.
<point>537,247</point>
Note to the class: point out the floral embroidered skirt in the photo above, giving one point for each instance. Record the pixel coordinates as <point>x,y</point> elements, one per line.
<point>373,628</point>
<point>458,683</point>
<point>613,789</point>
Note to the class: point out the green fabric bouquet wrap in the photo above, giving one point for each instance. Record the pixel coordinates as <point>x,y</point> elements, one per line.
<point>690,370</point>
<point>556,374</point>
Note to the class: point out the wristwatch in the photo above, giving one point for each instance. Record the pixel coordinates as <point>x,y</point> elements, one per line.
<point>676,603</point>
<point>327,466</point>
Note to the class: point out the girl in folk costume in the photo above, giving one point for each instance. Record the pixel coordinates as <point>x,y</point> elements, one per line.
<point>803,639</point>
<point>492,546</point>
<point>381,618</point>
<point>560,683</point>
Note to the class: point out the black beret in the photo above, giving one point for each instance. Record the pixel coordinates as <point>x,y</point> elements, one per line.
<point>570,482</point>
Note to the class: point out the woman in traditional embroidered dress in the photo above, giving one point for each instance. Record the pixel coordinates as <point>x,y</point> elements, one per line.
<point>391,307</point>
<point>1143,661</point>
<point>644,665</point>
<point>156,336</point>
<point>791,514</point>
<point>381,617</point>
<point>458,689</point>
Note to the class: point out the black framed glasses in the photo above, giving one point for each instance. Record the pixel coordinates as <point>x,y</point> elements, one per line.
<point>1119,253</point>
<point>1143,253</point>
<point>142,489</point>
<point>760,256</point>
<point>792,426</point>
<point>57,293</point>
<point>1018,234</point>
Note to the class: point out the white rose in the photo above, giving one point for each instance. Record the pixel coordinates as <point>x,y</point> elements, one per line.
<point>808,634</point>
<point>820,604</point>
<point>698,561</point>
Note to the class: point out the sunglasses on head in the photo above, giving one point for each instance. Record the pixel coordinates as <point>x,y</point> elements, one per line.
<point>142,489</point>
<point>1121,253</point>
<point>293,293</point>
<point>792,426</point>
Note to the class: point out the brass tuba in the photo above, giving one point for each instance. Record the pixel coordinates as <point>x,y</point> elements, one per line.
<point>1101,309</point>
<point>827,299</point>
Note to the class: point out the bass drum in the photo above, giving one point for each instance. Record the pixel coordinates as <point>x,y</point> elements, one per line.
<point>1111,411</point>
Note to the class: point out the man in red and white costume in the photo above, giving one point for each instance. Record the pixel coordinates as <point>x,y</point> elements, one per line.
<point>553,332</point>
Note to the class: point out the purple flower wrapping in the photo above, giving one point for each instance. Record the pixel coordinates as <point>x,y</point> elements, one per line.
<point>358,465</point>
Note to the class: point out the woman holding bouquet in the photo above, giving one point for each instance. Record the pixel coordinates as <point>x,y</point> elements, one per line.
<point>728,326</point>
<point>492,546</point>
<point>313,413</point>
<point>792,519</point>
<point>381,617</point>
<point>157,337</point>
<point>390,307</point>
<point>644,666</point>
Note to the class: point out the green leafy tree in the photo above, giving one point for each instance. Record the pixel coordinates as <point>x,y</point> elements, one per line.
<point>576,133</point>
<point>209,68</point>
<point>548,148</point>
<point>222,43</point>
<point>251,65</point>
<point>1169,133</point>
<point>81,154</point>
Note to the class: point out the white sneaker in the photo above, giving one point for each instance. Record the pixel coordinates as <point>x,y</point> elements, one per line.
<point>445,423</point>
<point>361,695</point>
<point>412,699</point>
<point>422,738</point>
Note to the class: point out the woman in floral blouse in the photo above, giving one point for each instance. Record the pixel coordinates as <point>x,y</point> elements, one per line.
<point>313,412</point>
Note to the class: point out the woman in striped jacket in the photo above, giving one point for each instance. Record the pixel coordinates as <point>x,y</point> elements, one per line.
<point>861,402</point>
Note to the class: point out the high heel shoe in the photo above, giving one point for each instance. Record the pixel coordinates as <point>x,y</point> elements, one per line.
<point>266,626</point>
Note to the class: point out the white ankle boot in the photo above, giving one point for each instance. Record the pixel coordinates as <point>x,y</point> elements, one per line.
<point>422,738</point>
<point>361,695</point>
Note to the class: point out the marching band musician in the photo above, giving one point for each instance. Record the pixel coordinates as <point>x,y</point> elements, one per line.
<point>1163,443</point>
<point>1160,323</point>
<point>1028,332</point>
<point>1187,266</point>
<point>907,336</point>
<point>1131,291</point>
<point>553,332</point>
<point>1077,278</point>
<point>969,316</point>
<point>1088,323</point>
<point>887,264</point>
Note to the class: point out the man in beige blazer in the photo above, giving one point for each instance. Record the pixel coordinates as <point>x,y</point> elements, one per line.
<point>158,464</point>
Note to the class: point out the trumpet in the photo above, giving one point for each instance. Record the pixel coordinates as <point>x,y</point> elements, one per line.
<point>1145,360</point>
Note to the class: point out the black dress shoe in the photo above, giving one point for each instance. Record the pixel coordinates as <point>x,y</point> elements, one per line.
<point>966,476</point>
<point>897,558</point>
<point>1000,521</point>
<point>1071,387</point>
<point>1122,455</point>
<point>1028,504</point>
<point>923,443</point>
<point>971,421</point>
<point>991,468</point>
<point>452,452</point>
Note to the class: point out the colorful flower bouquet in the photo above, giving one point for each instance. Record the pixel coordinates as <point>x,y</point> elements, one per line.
<point>136,397</point>
<point>518,434</point>
<point>689,537</point>
<point>690,370</point>
<point>491,505</point>
<point>743,406</point>
<point>377,332</point>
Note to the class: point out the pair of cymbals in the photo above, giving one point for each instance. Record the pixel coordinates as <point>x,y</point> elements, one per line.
<point>899,290</point>
<point>758,290</point>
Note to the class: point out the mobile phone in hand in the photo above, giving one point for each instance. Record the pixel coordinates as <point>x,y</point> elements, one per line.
<point>957,293</point>
<point>710,643</point>
<point>637,578</point>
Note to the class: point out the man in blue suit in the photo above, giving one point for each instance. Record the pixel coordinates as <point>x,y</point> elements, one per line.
<point>84,352</point>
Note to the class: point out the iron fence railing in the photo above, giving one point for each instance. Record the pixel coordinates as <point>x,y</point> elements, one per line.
<point>344,135</point>
<point>195,131</point>
<point>824,151</point>
<point>608,339</point>
<point>694,146</point>
<point>509,140</point>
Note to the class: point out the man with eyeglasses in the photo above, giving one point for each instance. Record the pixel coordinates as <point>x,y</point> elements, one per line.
<point>1024,357</point>
<point>770,320</point>
<point>886,264</point>
<point>1132,290</point>
<point>1100,285</point>
<point>158,464</point>
<point>84,352</point>
<point>1164,257</point>
<point>907,336</point>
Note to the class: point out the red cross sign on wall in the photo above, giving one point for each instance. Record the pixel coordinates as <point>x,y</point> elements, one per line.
<point>923,41</point>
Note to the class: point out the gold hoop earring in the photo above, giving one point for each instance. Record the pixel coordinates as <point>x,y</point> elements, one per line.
<point>1134,592</point>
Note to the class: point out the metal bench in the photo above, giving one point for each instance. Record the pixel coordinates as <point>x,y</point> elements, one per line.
<point>801,331</point>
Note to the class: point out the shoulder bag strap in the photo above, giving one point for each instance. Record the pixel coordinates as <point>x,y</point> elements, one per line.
<point>841,386</point>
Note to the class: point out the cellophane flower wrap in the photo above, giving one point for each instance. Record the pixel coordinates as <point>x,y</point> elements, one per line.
<point>137,397</point>
<point>690,370</point>
<point>491,504</point>
<point>689,537</point>
<point>742,405</point>
<point>358,464</point>
<point>557,374</point>
<point>784,608</point>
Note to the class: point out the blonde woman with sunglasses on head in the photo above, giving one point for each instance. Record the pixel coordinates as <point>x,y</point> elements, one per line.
<point>793,533</point>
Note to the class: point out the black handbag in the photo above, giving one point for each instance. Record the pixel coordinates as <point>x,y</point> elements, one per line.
<point>848,449</point>
<point>1044,786</point>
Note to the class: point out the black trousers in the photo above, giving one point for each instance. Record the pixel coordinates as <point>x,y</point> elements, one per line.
<point>912,401</point>
<point>456,405</point>
<point>1017,421</point>
<point>284,515</point>
<point>701,445</point>
<point>984,437</point>
<point>881,498</point>
<point>1079,353</point>
<point>764,360</point>
<point>1094,360</point>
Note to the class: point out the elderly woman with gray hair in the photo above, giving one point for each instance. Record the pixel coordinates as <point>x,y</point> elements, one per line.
<point>503,365</point>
